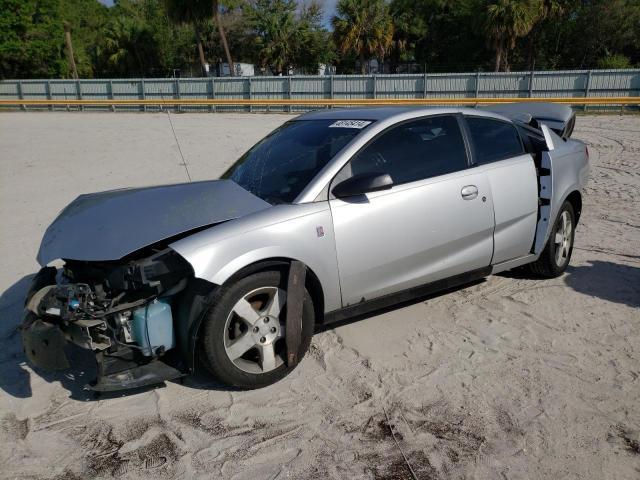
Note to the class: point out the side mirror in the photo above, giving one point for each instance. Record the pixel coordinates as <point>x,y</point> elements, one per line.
<point>362,183</point>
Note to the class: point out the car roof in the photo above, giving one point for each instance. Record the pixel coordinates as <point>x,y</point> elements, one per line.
<point>385,113</point>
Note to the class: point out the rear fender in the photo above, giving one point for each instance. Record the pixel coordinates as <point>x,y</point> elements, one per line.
<point>563,169</point>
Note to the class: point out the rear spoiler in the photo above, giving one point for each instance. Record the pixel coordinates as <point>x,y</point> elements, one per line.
<point>559,118</point>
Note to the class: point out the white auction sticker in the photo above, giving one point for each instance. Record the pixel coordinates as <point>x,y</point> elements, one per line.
<point>350,124</point>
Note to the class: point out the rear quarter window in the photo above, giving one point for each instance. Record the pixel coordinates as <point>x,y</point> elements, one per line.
<point>493,140</point>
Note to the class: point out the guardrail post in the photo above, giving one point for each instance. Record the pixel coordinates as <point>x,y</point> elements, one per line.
<point>289,93</point>
<point>47,89</point>
<point>177,83</point>
<point>143,93</point>
<point>212,107</point>
<point>587,88</point>
<point>424,85</point>
<point>477,94</point>
<point>113,107</point>
<point>79,93</point>
<point>250,94</point>
<point>375,86</point>
<point>531,75</point>
<point>20,95</point>
<point>331,89</point>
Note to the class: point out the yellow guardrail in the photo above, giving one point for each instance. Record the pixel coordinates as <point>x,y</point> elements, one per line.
<point>320,102</point>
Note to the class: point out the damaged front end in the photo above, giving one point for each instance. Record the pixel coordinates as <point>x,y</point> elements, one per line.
<point>120,310</point>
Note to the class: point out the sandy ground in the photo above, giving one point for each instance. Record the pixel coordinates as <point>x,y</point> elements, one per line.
<point>510,378</point>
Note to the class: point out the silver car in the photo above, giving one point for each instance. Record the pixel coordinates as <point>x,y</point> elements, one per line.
<point>335,213</point>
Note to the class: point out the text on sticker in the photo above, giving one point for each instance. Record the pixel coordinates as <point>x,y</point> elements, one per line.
<point>350,124</point>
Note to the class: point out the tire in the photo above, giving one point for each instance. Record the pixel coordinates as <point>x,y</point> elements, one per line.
<point>239,331</point>
<point>552,261</point>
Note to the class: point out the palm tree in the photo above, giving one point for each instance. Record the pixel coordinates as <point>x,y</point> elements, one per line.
<point>548,10</point>
<point>223,37</point>
<point>194,12</point>
<point>505,22</point>
<point>277,34</point>
<point>190,12</point>
<point>69,44</point>
<point>364,27</point>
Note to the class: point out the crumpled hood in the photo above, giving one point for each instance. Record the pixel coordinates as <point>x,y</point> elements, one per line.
<point>110,225</point>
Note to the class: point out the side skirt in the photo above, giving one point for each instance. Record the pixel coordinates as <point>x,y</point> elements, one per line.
<point>517,262</point>
<point>369,306</point>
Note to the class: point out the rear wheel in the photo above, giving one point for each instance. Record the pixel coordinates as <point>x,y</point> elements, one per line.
<point>243,341</point>
<point>556,255</point>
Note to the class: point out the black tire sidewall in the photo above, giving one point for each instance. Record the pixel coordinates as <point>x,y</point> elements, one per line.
<point>212,350</point>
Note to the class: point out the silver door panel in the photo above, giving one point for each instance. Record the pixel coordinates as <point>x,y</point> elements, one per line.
<point>515,199</point>
<point>411,235</point>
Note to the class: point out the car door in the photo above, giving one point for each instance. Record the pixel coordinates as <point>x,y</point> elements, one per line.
<point>435,222</point>
<point>498,151</point>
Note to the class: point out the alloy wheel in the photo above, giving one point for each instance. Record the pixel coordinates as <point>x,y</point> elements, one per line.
<point>563,239</point>
<point>254,334</point>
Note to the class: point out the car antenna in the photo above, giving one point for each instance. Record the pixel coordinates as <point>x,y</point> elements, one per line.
<point>184,161</point>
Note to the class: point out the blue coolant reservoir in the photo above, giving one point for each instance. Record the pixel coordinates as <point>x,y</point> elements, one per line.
<point>152,327</point>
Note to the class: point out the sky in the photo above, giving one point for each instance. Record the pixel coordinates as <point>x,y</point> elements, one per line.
<point>328,6</point>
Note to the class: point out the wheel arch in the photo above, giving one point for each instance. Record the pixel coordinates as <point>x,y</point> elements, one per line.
<point>200,294</point>
<point>312,282</point>
<point>575,199</point>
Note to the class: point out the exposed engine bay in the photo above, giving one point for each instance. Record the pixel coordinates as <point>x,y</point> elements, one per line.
<point>120,310</point>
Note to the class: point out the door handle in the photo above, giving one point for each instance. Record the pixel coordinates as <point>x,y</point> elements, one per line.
<point>469,192</point>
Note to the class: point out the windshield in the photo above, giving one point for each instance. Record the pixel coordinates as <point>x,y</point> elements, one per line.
<point>281,165</point>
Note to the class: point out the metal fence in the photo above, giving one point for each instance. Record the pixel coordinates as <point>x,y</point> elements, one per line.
<point>540,84</point>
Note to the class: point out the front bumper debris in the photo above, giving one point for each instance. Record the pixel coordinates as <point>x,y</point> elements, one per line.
<point>118,368</point>
<point>43,343</point>
<point>53,320</point>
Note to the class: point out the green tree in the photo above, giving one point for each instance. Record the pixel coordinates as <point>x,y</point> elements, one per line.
<point>276,33</point>
<point>505,21</point>
<point>614,61</point>
<point>316,46</point>
<point>223,37</point>
<point>193,13</point>
<point>139,40</point>
<point>31,39</point>
<point>86,20</point>
<point>438,34</point>
<point>284,37</point>
<point>363,27</point>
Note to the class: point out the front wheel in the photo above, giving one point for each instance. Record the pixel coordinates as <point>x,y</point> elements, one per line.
<point>556,255</point>
<point>243,341</point>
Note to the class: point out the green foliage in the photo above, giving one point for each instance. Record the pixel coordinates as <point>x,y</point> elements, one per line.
<point>614,61</point>
<point>139,40</point>
<point>439,35</point>
<point>31,40</point>
<point>505,21</point>
<point>154,37</point>
<point>364,28</point>
<point>284,37</point>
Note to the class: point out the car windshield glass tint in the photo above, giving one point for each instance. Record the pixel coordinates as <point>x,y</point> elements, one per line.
<point>281,165</point>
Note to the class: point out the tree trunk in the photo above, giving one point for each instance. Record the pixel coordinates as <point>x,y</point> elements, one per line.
<point>363,66</point>
<point>203,61</point>
<point>223,38</point>
<point>498,59</point>
<point>67,40</point>
<point>532,48</point>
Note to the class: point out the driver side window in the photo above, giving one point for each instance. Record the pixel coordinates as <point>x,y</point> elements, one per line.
<point>412,151</point>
